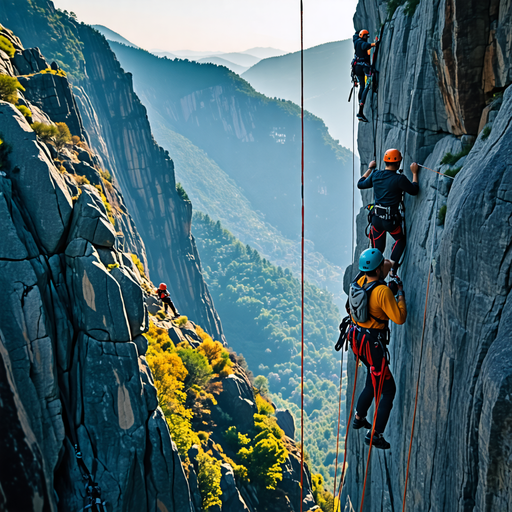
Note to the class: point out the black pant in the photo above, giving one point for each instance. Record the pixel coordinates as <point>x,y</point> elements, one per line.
<point>361,72</point>
<point>372,356</point>
<point>168,303</point>
<point>378,237</point>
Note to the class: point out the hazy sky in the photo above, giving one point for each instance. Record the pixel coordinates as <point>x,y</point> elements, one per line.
<point>218,25</point>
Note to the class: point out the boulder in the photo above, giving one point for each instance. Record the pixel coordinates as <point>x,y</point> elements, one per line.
<point>39,185</point>
<point>90,220</point>
<point>29,61</point>
<point>232,500</point>
<point>84,169</point>
<point>237,401</point>
<point>285,421</point>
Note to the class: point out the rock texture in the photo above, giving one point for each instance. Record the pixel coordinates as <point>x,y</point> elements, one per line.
<point>72,312</point>
<point>435,81</point>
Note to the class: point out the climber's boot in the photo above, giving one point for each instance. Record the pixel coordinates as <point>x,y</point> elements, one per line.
<point>360,114</point>
<point>378,441</point>
<point>360,423</point>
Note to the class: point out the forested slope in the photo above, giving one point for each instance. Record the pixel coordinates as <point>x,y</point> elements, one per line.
<point>261,307</point>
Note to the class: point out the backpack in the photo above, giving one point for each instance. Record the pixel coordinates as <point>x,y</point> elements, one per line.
<point>359,299</point>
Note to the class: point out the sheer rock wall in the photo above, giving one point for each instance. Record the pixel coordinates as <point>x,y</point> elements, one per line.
<point>119,132</point>
<point>442,74</point>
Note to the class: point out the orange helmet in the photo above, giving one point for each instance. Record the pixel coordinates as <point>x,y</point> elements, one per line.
<point>392,155</point>
<point>364,33</point>
<point>162,286</point>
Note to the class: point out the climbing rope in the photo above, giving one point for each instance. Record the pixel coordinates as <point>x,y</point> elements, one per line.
<point>419,363</point>
<point>339,424</point>
<point>342,479</point>
<point>302,256</point>
<point>440,173</point>
<point>351,256</point>
<point>377,401</point>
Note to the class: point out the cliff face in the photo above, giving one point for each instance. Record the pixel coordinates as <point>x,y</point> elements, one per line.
<point>442,73</point>
<point>73,368</point>
<point>72,315</point>
<point>119,132</point>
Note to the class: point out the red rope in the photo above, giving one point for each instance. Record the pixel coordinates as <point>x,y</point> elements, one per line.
<point>302,257</point>
<point>339,422</point>
<point>377,400</point>
<point>417,388</point>
<point>440,173</point>
<point>342,480</point>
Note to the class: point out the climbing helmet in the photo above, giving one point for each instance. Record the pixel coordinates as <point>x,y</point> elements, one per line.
<point>364,33</point>
<point>392,155</point>
<point>370,259</point>
<point>162,286</point>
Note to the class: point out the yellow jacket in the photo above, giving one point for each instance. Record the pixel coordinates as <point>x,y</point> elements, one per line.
<point>383,305</point>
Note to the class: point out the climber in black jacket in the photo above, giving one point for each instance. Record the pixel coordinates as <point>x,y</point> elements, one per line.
<point>389,187</point>
<point>361,67</point>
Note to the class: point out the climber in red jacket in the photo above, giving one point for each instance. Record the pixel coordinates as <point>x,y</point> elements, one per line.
<point>164,296</point>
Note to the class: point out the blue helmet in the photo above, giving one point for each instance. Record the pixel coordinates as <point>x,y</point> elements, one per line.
<point>370,259</point>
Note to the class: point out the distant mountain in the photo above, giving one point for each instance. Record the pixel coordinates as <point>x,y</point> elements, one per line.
<point>223,62</point>
<point>242,59</point>
<point>113,36</point>
<point>264,53</point>
<point>326,85</point>
<point>256,141</point>
<point>166,54</point>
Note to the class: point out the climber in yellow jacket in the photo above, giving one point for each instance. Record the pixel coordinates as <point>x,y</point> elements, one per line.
<point>370,337</point>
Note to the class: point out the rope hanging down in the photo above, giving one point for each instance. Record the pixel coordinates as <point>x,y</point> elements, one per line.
<point>420,361</point>
<point>341,352</point>
<point>302,256</point>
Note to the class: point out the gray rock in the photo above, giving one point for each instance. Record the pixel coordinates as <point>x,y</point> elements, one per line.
<point>194,488</point>
<point>84,169</point>
<point>11,247</point>
<point>29,61</point>
<point>285,421</point>
<point>40,186</point>
<point>133,299</point>
<point>237,401</point>
<point>463,417</point>
<point>84,156</point>
<point>99,305</point>
<point>232,501</point>
<point>90,220</point>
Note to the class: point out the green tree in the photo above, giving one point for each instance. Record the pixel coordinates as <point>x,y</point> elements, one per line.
<point>9,88</point>
<point>63,136</point>
<point>46,132</point>
<point>208,478</point>
<point>199,371</point>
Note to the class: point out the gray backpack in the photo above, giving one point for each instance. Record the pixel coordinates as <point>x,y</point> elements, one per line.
<point>359,298</point>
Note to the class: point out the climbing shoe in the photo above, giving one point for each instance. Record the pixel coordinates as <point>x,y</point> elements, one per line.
<point>378,441</point>
<point>362,118</point>
<point>361,423</point>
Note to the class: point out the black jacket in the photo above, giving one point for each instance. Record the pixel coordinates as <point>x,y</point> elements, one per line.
<point>361,48</point>
<point>388,187</point>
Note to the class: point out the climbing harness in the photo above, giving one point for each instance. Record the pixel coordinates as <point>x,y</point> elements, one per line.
<point>419,363</point>
<point>92,489</point>
<point>302,255</point>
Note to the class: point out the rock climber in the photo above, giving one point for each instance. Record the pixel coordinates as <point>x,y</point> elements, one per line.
<point>361,67</point>
<point>389,187</point>
<point>164,296</point>
<point>370,341</point>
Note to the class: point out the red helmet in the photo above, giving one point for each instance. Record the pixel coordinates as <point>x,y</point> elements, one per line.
<point>162,286</point>
<point>392,155</point>
<point>364,33</point>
